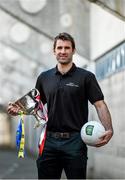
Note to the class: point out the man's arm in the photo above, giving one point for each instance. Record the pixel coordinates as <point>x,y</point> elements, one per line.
<point>105,118</point>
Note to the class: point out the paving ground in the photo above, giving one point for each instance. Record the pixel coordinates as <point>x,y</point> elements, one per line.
<point>12,167</point>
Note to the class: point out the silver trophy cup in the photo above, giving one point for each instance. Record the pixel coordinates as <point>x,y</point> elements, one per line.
<point>30,104</point>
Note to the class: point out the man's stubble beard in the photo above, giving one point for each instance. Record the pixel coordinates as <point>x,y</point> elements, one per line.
<point>64,62</point>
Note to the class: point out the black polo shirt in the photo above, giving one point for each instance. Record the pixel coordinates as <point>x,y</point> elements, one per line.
<point>67,97</point>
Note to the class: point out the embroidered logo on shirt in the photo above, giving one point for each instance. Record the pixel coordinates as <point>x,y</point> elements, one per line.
<point>72,84</point>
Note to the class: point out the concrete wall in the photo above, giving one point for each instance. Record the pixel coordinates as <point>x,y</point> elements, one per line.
<point>5,138</point>
<point>106,31</point>
<point>109,161</point>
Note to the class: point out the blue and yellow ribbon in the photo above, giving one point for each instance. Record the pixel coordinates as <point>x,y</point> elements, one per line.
<point>20,136</point>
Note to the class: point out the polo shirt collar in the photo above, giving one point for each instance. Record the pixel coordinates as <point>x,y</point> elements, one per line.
<point>71,70</point>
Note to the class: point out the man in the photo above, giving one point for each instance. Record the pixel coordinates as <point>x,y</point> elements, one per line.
<point>67,89</point>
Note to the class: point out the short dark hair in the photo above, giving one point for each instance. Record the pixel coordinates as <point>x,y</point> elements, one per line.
<point>65,37</point>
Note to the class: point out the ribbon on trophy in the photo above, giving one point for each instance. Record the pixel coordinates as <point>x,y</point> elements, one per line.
<point>30,104</point>
<point>41,112</point>
<point>20,136</point>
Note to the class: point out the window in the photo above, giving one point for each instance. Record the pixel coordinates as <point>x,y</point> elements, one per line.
<point>111,62</point>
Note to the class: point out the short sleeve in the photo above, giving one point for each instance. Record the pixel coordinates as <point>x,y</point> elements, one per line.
<point>40,89</point>
<point>93,90</point>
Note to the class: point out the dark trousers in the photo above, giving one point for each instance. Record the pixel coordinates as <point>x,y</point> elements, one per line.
<point>69,154</point>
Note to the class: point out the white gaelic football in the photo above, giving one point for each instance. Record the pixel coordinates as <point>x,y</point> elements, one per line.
<point>91,132</point>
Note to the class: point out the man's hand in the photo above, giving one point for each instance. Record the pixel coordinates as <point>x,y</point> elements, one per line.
<point>104,139</point>
<point>105,118</point>
<point>13,109</point>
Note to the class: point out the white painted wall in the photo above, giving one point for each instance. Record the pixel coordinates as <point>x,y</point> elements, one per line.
<point>106,31</point>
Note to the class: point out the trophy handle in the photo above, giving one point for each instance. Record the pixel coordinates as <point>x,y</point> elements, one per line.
<point>28,102</point>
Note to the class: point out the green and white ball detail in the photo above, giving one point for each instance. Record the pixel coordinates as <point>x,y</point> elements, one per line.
<point>91,132</point>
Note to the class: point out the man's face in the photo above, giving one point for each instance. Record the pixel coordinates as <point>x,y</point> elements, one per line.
<point>64,51</point>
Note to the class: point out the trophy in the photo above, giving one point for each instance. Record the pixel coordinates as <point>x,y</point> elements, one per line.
<point>30,104</point>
